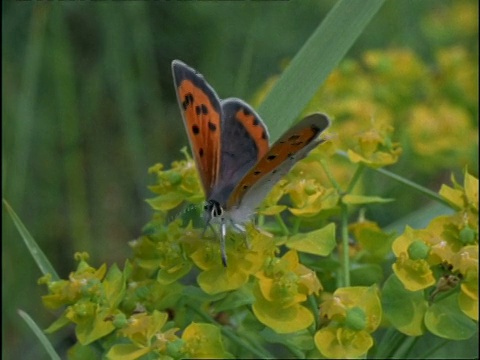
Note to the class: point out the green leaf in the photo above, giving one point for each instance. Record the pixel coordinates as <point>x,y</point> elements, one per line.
<point>366,274</point>
<point>314,62</point>
<point>319,242</point>
<point>167,276</point>
<point>236,299</point>
<point>40,335</point>
<point>61,322</point>
<point>114,284</point>
<point>445,319</point>
<point>301,340</point>
<point>94,327</point>
<point>37,253</point>
<point>404,309</point>
<point>126,352</point>
<point>361,199</point>
<point>166,202</point>
<point>80,352</point>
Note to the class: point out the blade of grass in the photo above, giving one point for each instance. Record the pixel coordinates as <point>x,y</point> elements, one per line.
<point>40,335</point>
<point>35,251</point>
<point>314,62</point>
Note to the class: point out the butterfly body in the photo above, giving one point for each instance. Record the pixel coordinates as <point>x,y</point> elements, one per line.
<point>230,145</point>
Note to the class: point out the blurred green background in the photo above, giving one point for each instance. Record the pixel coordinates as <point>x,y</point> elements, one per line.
<point>88,106</point>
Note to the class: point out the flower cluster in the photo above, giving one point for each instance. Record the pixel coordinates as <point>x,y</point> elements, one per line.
<point>349,316</point>
<point>443,257</point>
<point>283,285</point>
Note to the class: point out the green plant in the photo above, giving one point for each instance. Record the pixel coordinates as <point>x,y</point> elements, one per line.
<point>155,306</point>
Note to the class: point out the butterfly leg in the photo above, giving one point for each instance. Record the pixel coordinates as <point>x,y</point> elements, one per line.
<point>222,241</point>
<point>242,229</point>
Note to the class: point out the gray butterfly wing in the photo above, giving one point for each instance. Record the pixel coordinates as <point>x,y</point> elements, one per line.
<point>244,140</point>
<point>292,146</point>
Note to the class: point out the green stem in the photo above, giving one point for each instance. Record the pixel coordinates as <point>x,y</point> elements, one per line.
<point>356,176</point>
<point>260,220</point>
<point>330,176</point>
<point>391,343</point>
<point>345,245</point>
<point>282,224</point>
<point>296,352</point>
<point>427,192</point>
<point>312,303</point>
<point>407,347</point>
<point>428,354</point>
<point>259,353</point>
<point>296,225</point>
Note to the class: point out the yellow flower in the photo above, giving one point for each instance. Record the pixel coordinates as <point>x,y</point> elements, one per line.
<point>282,286</point>
<point>375,148</point>
<point>204,341</point>
<point>245,257</point>
<point>351,314</point>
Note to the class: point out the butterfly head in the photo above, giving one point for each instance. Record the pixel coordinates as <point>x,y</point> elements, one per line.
<point>213,211</point>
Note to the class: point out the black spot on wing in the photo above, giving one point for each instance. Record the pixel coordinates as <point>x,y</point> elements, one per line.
<point>187,100</point>
<point>201,109</point>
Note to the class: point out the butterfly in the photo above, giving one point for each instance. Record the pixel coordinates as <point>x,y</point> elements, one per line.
<point>230,145</point>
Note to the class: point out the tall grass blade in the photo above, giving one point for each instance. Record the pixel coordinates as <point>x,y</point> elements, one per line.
<point>35,251</point>
<point>40,335</point>
<point>314,62</point>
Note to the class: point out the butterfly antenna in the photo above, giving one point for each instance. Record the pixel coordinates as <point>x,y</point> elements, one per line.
<point>222,242</point>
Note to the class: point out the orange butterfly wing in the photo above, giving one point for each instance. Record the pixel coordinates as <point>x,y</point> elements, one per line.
<point>282,156</point>
<point>201,112</point>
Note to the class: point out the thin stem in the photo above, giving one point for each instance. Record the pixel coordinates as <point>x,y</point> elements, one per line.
<point>294,350</point>
<point>408,345</point>
<point>356,176</point>
<point>312,303</point>
<point>345,245</point>
<point>389,344</point>
<point>282,224</point>
<point>330,176</point>
<point>427,192</point>
<point>260,220</point>
<point>432,351</point>
<point>296,224</point>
